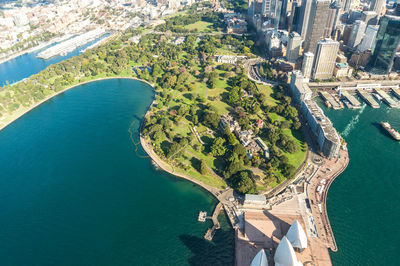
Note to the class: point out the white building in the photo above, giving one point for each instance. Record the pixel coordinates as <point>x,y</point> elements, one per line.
<point>293,47</point>
<point>260,259</point>
<point>325,59</point>
<point>296,236</point>
<point>357,33</point>
<point>284,255</point>
<point>255,200</point>
<point>369,38</point>
<point>308,60</point>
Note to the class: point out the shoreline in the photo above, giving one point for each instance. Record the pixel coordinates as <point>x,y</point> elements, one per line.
<point>164,166</point>
<point>30,108</point>
<point>27,51</point>
<point>167,168</point>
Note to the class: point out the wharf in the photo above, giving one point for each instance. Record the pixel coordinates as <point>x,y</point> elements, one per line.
<point>387,99</point>
<point>329,98</point>
<point>368,98</point>
<point>71,44</point>
<point>396,91</point>
<point>353,100</point>
<point>216,225</point>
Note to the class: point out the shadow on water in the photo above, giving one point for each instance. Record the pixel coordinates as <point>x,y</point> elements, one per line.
<point>219,251</point>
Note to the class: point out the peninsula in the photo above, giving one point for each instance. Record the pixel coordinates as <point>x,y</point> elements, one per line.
<point>222,117</point>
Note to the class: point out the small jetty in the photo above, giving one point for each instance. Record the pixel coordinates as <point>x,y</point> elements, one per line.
<point>368,98</point>
<point>387,99</point>
<point>354,103</point>
<point>202,217</point>
<point>216,225</point>
<point>330,100</point>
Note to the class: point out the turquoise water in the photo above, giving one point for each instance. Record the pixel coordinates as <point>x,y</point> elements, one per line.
<point>364,202</point>
<point>74,192</point>
<point>26,65</point>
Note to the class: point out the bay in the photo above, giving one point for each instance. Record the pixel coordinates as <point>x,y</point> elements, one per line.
<point>364,202</point>
<point>75,192</point>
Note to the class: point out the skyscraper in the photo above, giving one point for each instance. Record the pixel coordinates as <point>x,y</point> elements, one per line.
<point>369,17</point>
<point>293,47</point>
<point>325,58</point>
<point>304,17</point>
<point>347,5</point>
<point>386,43</point>
<point>306,68</point>
<point>377,6</point>
<point>369,38</point>
<point>319,24</point>
<point>266,7</point>
<point>357,33</point>
<point>336,6</point>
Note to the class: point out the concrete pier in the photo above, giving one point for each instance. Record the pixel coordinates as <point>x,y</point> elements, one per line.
<point>329,98</point>
<point>387,99</point>
<point>216,225</point>
<point>368,98</point>
<point>353,100</point>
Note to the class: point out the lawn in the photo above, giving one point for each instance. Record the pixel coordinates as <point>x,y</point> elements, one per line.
<point>267,91</point>
<point>201,26</point>
<point>297,158</point>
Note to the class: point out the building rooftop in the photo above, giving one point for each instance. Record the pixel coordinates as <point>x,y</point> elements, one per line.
<point>296,235</point>
<point>323,121</point>
<point>254,198</point>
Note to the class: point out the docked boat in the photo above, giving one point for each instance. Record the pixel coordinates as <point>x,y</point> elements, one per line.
<point>348,104</point>
<point>377,96</point>
<point>390,130</point>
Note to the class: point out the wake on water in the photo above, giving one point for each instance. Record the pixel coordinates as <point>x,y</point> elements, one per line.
<point>354,120</point>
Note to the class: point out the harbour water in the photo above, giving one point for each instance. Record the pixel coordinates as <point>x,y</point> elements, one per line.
<point>75,192</point>
<point>364,201</point>
<point>28,64</point>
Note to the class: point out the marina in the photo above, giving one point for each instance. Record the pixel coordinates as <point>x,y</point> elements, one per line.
<point>387,99</point>
<point>368,98</point>
<point>71,44</point>
<point>330,101</point>
<point>353,102</point>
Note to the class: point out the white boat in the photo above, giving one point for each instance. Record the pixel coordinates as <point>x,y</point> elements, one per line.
<point>377,96</point>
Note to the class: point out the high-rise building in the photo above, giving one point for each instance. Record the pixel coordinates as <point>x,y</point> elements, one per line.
<point>347,5</point>
<point>336,6</point>
<point>266,7</point>
<point>304,17</point>
<point>293,47</point>
<point>377,6</point>
<point>306,68</point>
<point>369,17</point>
<point>386,43</point>
<point>369,38</point>
<point>325,59</point>
<point>319,24</point>
<point>293,21</point>
<point>357,33</point>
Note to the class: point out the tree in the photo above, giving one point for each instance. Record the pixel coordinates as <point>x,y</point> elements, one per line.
<point>211,120</point>
<point>173,150</point>
<point>218,148</point>
<point>203,167</point>
<point>243,182</point>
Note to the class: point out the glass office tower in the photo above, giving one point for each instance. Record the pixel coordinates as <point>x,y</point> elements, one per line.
<point>386,44</point>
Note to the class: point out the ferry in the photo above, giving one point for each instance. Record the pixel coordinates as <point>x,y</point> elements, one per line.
<point>348,104</point>
<point>377,96</point>
<point>390,130</point>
